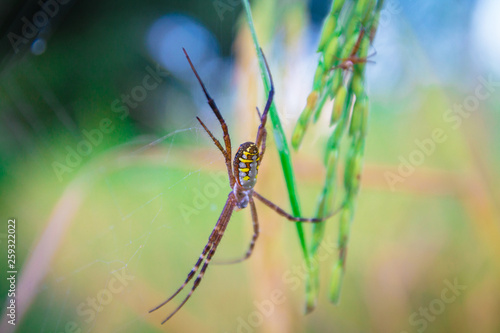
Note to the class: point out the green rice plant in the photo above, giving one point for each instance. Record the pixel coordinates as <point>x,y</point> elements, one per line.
<point>345,39</point>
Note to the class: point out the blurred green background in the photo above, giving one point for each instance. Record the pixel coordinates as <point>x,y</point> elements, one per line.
<point>115,196</point>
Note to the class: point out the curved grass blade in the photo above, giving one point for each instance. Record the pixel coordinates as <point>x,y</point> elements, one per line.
<point>285,159</point>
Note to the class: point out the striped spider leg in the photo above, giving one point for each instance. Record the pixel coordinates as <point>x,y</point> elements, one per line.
<point>242,175</point>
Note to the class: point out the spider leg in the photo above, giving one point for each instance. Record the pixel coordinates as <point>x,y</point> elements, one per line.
<point>247,255</point>
<point>292,218</point>
<point>263,119</point>
<point>358,42</point>
<point>353,60</point>
<point>258,112</point>
<point>189,277</point>
<point>214,139</point>
<point>213,106</point>
<point>210,248</point>
<point>196,266</point>
<point>371,56</point>
<point>227,158</point>
<point>262,148</point>
<point>200,275</point>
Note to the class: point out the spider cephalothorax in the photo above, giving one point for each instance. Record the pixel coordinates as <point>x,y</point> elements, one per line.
<point>242,179</point>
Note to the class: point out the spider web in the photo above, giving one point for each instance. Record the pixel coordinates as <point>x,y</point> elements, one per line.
<point>146,213</point>
<point>137,219</point>
<point>145,216</point>
<point>149,213</point>
<point>142,223</point>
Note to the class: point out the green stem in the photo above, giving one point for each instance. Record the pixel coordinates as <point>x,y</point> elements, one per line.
<point>283,150</point>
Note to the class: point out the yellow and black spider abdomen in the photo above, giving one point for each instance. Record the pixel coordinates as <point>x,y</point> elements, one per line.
<point>246,165</point>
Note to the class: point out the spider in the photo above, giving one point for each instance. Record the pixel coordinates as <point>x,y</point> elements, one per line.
<point>349,62</point>
<point>242,179</point>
